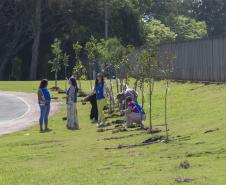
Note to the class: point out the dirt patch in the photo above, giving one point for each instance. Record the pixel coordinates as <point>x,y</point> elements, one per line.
<point>154,139</point>
<point>200,143</point>
<point>184,165</point>
<point>39,143</point>
<point>117,115</point>
<point>104,129</point>
<point>55,89</point>
<point>150,141</point>
<point>82,94</point>
<point>61,92</point>
<point>122,137</point>
<point>183,179</point>
<point>153,131</point>
<point>181,138</point>
<point>118,121</point>
<point>120,129</point>
<point>206,153</point>
<point>212,130</point>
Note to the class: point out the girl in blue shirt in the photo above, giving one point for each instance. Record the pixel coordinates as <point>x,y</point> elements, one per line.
<point>100,90</point>
<point>44,100</point>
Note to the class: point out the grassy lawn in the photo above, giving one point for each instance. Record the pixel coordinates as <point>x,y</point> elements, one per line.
<point>64,157</point>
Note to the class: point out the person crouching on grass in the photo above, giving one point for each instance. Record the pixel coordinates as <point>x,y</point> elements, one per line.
<point>44,100</point>
<point>100,90</point>
<point>134,113</point>
<point>72,119</point>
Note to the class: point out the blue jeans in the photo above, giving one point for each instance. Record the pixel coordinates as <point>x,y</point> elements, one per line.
<point>44,114</point>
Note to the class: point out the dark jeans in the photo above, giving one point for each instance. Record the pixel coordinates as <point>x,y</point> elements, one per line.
<point>94,112</point>
<point>44,114</point>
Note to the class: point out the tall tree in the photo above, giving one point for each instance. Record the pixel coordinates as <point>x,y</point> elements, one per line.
<point>213,13</point>
<point>37,26</point>
<point>14,31</point>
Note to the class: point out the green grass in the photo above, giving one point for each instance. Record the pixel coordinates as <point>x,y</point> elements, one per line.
<point>64,157</point>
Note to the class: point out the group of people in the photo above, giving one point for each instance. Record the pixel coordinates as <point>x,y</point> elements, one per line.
<point>133,111</point>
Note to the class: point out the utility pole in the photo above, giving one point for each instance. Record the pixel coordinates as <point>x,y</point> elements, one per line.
<point>106,19</point>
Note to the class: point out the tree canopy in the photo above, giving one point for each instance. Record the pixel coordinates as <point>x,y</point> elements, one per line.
<point>28,28</point>
<point>187,28</point>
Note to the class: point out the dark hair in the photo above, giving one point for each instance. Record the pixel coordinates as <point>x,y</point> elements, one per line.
<point>102,81</point>
<point>129,99</point>
<point>73,81</point>
<point>43,83</point>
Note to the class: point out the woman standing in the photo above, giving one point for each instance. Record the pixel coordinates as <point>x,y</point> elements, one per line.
<point>72,120</point>
<point>100,90</point>
<point>44,100</point>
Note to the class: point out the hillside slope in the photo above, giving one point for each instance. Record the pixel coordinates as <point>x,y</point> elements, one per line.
<point>64,157</point>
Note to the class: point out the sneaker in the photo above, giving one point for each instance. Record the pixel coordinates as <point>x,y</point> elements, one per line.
<point>48,130</point>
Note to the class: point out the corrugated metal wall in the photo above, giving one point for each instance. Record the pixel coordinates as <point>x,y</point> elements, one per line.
<point>201,60</point>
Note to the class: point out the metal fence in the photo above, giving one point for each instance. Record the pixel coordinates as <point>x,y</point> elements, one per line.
<point>201,60</point>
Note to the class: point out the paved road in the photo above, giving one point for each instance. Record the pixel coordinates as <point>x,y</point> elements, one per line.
<point>11,107</point>
<point>19,111</point>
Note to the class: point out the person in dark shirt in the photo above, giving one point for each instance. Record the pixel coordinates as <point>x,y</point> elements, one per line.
<point>94,111</point>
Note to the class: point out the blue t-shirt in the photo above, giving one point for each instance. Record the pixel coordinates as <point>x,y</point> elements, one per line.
<point>136,107</point>
<point>46,95</point>
<point>100,91</point>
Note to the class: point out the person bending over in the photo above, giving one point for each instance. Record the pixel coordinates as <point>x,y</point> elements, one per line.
<point>134,113</point>
<point>44,100</point>
<point>94,111</point>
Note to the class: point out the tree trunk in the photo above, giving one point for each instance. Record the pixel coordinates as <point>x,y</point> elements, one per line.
<point>121,85</point>
<point>135,84</point>
<point>111,108</point>
<point>80,84</point>
<point>65,77</point>
<point>91,76</point>
<point>56,79</point>
<point>142,93</point>
<point>150,104</point>
<point>2,67</point>
<point>117,86</point>
<point>166,124</point>
<point>91,84</point>
<point>36,43</point>
<point>151,89</point>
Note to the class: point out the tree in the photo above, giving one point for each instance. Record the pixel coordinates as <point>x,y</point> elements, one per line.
<point>115,57</point>
<point>92,53</point>
<point>166,70</point>
<point>36,29</point>
<point>148,70</point>
<point>14,30</point>
<point>79,68</point>
<point>213,13</point>
<point>65,58</point>
<point>189,29</point>
<point>157,33</point>
<point>56,62</point>
<point>79,71</point>
<point>164,10</point>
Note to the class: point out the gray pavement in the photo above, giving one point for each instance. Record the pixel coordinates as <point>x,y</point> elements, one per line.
<point>11,107</point>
